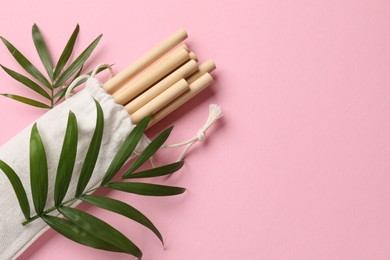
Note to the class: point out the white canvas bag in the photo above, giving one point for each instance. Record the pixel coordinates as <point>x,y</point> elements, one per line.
<point>15,238</point>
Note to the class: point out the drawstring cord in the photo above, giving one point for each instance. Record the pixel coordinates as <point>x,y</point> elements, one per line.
<point>215,113</point>
<point>77,80</point>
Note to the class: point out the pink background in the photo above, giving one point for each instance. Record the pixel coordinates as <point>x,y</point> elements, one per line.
<point>299,166</point>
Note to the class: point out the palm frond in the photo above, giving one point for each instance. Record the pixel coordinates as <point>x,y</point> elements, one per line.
<point>77,225</point>
<point>59,75</point>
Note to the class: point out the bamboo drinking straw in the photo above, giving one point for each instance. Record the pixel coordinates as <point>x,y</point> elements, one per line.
<point>150,76</point>
<point>193,56</point>
<point>160,101</point>
<point>146,60</point>
<point>182,72</point>
<point>207,66</point>
<point>195,87</point>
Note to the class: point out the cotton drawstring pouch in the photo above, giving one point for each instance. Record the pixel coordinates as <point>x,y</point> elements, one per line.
<point>14,237</point>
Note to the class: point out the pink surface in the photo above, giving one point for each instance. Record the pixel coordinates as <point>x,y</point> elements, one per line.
<point>298,168</point>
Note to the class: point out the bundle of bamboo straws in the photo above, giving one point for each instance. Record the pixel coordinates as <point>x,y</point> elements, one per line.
<point>161,80</point>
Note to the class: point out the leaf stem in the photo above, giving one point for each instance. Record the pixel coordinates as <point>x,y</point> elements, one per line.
<point>52,97</point>
<point>56,207</point>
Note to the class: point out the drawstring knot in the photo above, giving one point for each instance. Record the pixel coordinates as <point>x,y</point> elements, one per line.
<point>201,135</point>
<point>215,113</point>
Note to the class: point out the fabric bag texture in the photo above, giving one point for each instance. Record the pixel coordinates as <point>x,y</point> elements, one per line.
<point>15,238</point>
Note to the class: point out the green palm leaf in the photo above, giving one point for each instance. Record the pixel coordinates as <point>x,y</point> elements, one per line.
<point>18,188</point>
<point>25,100</point>
<point>101,230</point>
<point>25,63</point>
<point>93,152</point>
<point>67,160</point>
<point>26,81</point>
<point>38,170</point>
<point>146,189</point>
<point>42,50</point>
<point>126,149</point>
<point>155,172</point>
<point>58,75</point>
<point>77,63</point>
<point>80,226</point>
<point>122,209</point>
<point>66,52</point>
<point>73,232</point>
<point>60,94</point>
<point>150,150</point>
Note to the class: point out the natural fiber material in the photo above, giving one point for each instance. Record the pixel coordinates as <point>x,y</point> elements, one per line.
<point>15,238</point>
<point>215,113</point>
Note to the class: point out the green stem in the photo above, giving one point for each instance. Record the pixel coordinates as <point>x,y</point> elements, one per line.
<point>52,96</point>
<point>56,207</point>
